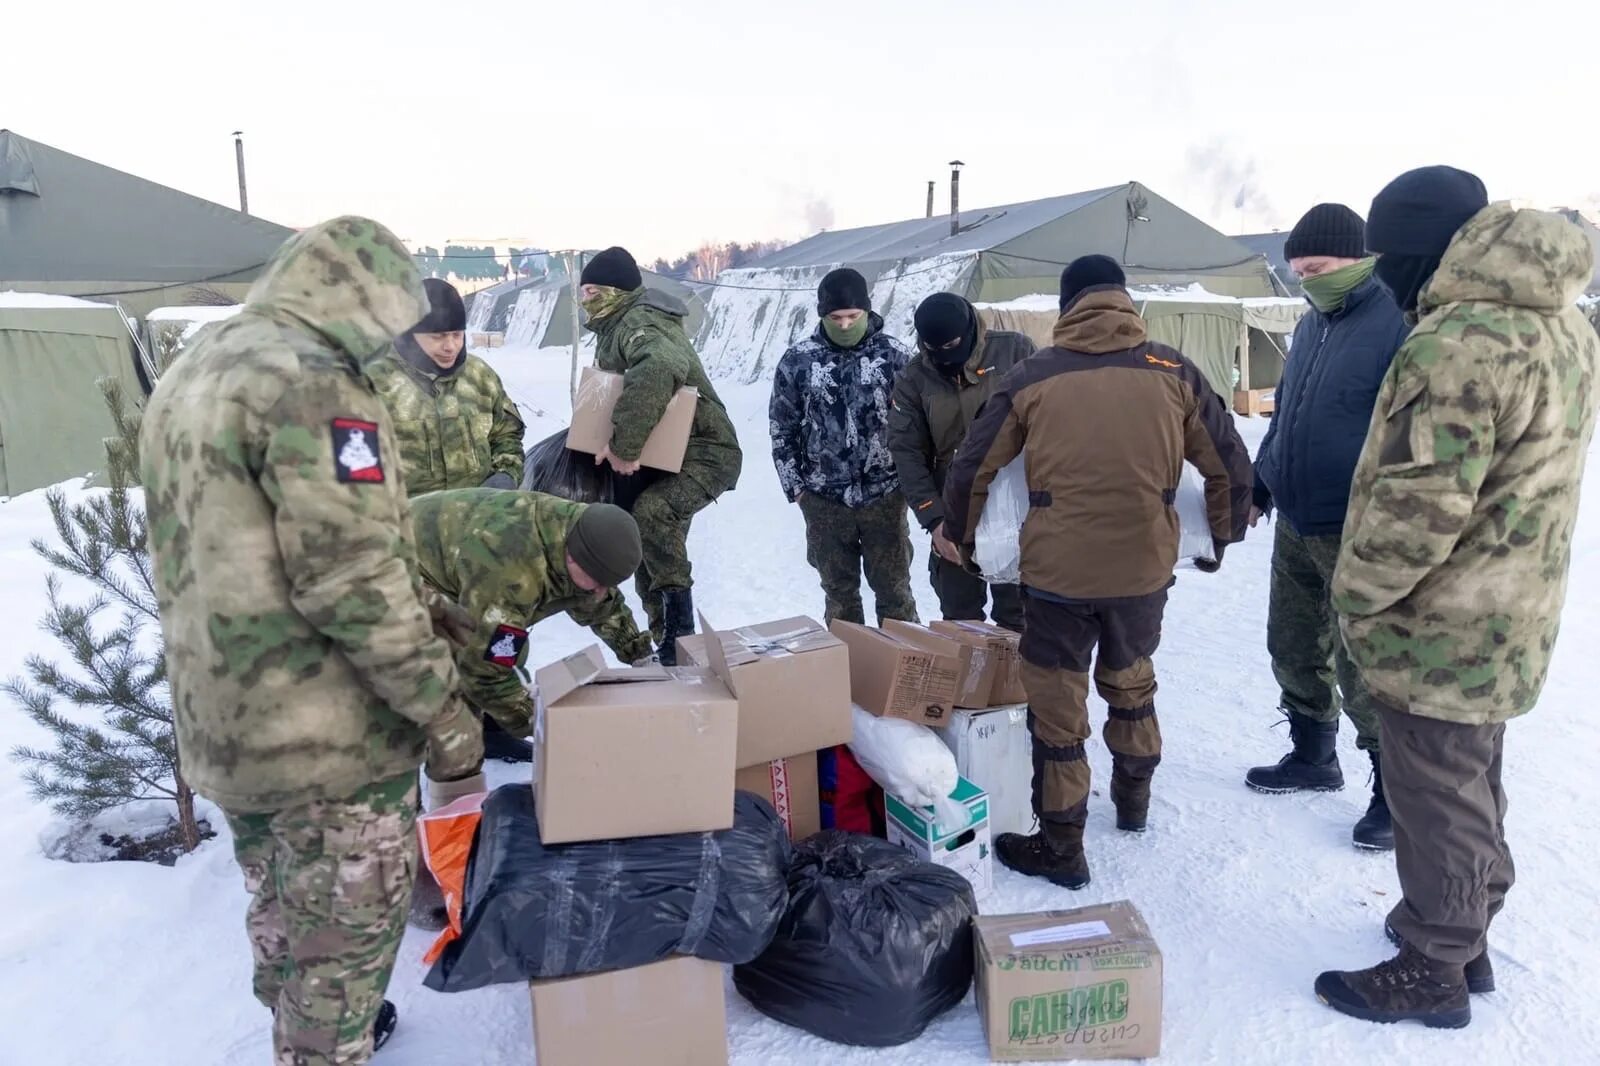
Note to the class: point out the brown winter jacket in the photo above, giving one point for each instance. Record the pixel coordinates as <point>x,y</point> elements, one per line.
<point>1106,419</point>
<point>933,411</point>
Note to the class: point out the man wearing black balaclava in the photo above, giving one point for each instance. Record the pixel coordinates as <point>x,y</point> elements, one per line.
<point>957,367</point>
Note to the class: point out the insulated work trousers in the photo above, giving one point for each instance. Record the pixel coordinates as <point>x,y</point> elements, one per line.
<point>329,885</point>
<point>843,541</point>
<point>962,595</point>
<point>1442,782</point>
<point>1303,636</point>
<point>1058,647</point>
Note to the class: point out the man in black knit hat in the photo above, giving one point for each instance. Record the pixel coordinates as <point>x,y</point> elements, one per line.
<point>1338,357</point>
<point>957,368</point>
<point>829,418</point>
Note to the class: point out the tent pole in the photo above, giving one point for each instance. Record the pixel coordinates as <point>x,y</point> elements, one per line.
<point>1244,356</point>
<point>574,270</point>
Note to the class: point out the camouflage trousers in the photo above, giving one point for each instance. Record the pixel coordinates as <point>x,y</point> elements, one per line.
<point>1303,636</point>
<point>664,511</point>
<point>1060,641</point>
<point>329,885</point>
<point>843,541</point>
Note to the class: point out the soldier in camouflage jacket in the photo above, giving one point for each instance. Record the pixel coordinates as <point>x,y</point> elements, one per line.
<point>306,677</point>
<point>1453,571</point>
<point>454,424</point>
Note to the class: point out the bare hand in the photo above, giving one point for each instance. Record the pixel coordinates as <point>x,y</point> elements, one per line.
<point>621,466</point>
<point>944,547</point>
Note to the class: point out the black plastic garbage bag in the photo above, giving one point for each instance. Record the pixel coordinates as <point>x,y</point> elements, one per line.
<point>532,911</point>
<point>875,945</point>
<point>551,467</point>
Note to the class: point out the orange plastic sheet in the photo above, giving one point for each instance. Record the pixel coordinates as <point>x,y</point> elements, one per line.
<point>446,839</point>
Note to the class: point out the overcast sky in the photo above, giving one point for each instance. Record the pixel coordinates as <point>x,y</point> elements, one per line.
<point>592,122</point>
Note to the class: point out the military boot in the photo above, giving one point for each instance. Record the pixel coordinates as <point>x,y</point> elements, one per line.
<point>677,620</point>
<point>1054,853</point>
<point>1409,987</point>
<point>1131,795</point>
<point>1479,972</point>
<point>1313,764</point>
<point>384,1025</point>
<point>1375,830</point>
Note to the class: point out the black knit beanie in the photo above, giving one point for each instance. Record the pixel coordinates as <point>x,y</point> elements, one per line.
<point>446,312</point>
<point>613,267</point>
<point>1419,212</point>
<point>1331,230</point>
<point>1087,271</point>
<point>843,290</point>
<point>605,542</point>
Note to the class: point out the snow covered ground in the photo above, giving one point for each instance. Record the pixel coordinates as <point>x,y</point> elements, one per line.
<point>1249,896</point>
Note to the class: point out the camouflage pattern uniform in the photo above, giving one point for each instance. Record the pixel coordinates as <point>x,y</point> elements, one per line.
<point>454,431</point>
<point>643,339</point>
<point>1453,572</point>
<point>306,677</point>
<point>503,556</point>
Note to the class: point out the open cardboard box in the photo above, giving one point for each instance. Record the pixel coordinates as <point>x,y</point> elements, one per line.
<point>596,402</point>
<point>911,674</point>
<point>1001,659</point>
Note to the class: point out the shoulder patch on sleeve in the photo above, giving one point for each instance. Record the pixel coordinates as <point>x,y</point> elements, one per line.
<point>506,645</point>
<point>355,451</point>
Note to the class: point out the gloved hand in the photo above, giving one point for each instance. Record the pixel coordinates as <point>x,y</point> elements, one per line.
<point>499,480</point>
<point>455,743</point>
<point>649,660</point>
<point>451,621</point>
<point>1211,566</point>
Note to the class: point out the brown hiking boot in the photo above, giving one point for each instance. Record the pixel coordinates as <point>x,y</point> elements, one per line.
<point>1131,795</point>
<point>1409,987</point>
<point>1479,972</point>
<point>1055,853</point>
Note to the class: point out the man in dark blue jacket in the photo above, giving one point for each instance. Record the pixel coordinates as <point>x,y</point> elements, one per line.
<point>1338,358</point>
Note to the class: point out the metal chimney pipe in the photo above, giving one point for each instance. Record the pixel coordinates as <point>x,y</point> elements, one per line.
<point>238,151</point>
<point>955,196</point>
<point>930,199</point>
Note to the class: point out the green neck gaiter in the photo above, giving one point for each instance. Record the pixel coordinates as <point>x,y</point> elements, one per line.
<point>604,302</point>
<point>847,338</point>
<point>1327,291</point>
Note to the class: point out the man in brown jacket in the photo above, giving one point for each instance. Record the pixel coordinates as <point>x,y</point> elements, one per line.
<point>1106,419</point>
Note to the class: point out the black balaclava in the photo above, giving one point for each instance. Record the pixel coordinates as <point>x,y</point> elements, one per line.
<point>940,319</point>
<point>1412,222</point>
<point>446,314</point>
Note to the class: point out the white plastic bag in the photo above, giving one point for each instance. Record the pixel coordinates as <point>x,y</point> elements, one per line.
<point>997,542</point>
<point>1194,527</point>
<point>910,761</point>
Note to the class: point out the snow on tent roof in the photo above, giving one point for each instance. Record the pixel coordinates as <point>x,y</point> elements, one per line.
<point>44,299</point>
<point>198,313</point>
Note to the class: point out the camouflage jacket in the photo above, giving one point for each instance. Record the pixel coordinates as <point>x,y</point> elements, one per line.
<point>454,431</point>
<point>503,556</point>
<point>829,417</point>
<point>644,341</point>
<point>1454,565</point>
<point>302,660</point>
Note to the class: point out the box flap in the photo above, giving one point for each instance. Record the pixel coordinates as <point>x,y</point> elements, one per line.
<point>627,675</point>
<point>717,655</point>
<point>919,637</point>
<point>564,676</point>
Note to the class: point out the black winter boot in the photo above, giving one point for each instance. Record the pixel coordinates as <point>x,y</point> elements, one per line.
<point>1479,972</point>
<point>498,744</point>
<point>1054,853</point>
<point>1131,795</point>
<point>677,620</point>
<point>1409,987</point>
<point>1313,765</point>
<point>1375,830</point>
<point>384,1025</point>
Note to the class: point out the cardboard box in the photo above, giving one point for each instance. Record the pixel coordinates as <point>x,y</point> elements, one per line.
<point>791,786</point>
<point>792,679</point>
<point>631,752</point>
<point>669,1013</point>
<point>898,676</point>
<point>598,392</point>
<point>994,751</point>
<point>1003,657</point>
<point>1253,403</point>
<point>1078,984</point>
<point>966,851</point>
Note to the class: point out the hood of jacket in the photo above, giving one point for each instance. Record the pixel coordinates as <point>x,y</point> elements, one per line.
<point>348,281</point>
<point>1102,319</point>
<point>1517,257</point>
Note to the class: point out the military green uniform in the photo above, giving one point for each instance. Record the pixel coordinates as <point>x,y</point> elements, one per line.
<point>307,681</point>
<point>1454,567</point>
<point>643,339</point>
<point>454,430</point>
<point>503,556</point>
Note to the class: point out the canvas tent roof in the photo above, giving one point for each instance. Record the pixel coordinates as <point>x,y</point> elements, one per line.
<point>72,226</point>
<point>1270,245</point>
<point>537,312</point>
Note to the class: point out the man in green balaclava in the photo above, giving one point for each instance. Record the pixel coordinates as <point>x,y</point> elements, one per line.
<point>831,397</point>
<point>1337,360</point>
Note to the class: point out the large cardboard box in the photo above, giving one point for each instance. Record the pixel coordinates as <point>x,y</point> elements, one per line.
<point>1078,984</point>
<point>631,752</point>
<point>1002,655</point>
<point>894,675</point>
<point>792,679</point>
<point>975,678</point>
<point>791,786</point>
<point>598,391</point>
<point>965,850</point>
<point>669,1013</point>
<point>994,751</point>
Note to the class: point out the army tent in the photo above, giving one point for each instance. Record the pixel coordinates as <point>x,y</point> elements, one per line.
<point>995,254</point>
<point>537,312</point>
<point>53,419</point>
<point>73,227</point>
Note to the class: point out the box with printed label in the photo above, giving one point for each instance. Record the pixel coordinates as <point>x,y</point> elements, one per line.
<point>1003,658</point>
<point>792,787</point>
<point>978,663</point>
<point>1077,984</point>
<point>624,753</point>
<point>592,408</point>
<point>792,679</point>
<point>965,849</point>
<point>669,1013</point>
<point>896,674</point>
<point>994,750</point>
